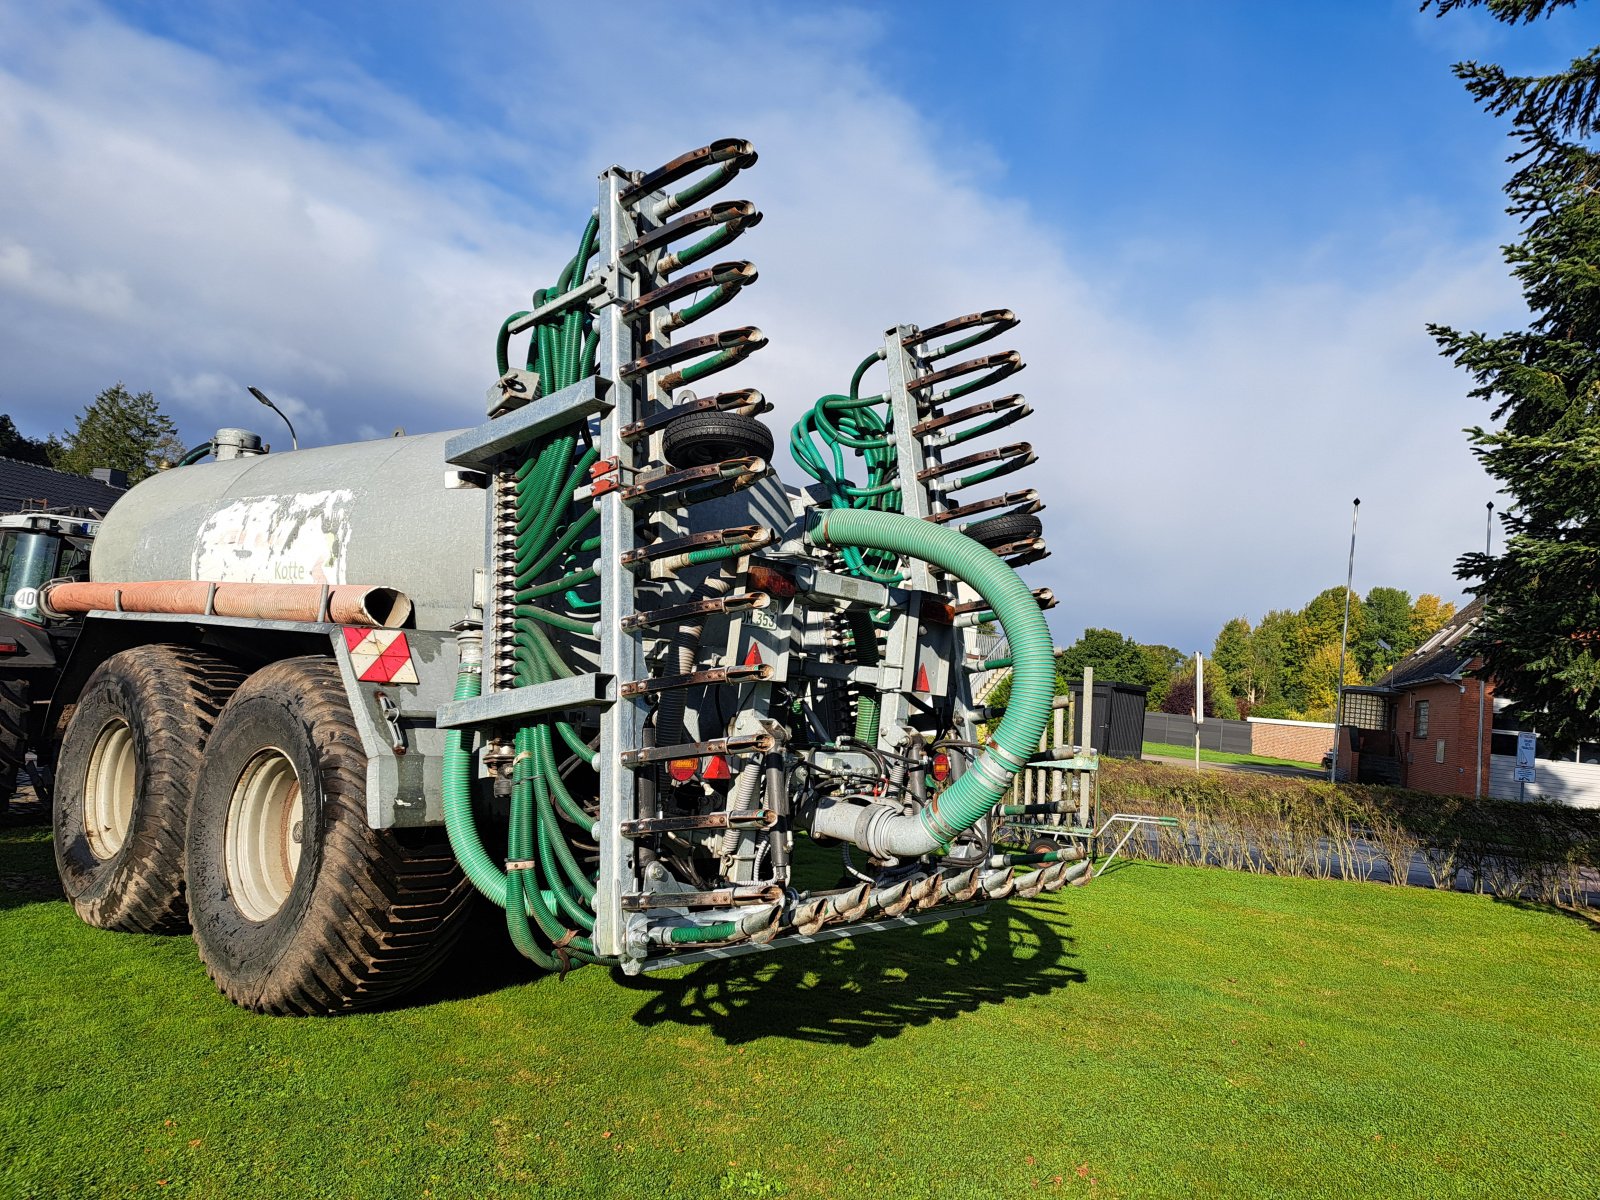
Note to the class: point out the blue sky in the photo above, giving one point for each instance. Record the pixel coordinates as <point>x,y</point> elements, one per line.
<point>1224,226</point>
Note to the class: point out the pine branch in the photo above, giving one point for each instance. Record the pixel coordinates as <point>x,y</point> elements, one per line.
<point>1542,107</point>
<point>1512,12</point>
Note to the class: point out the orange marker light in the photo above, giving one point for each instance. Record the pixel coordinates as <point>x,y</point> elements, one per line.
<point>682,769</point>
<point>772,581</point>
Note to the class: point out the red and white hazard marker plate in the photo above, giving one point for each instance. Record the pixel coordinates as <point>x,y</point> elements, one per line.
<point>380,655</point>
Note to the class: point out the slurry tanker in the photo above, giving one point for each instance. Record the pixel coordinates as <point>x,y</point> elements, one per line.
<point>590,658</point>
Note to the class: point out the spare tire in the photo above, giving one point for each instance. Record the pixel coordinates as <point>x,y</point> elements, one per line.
<point>699,438</point>
<point>1005,530</point>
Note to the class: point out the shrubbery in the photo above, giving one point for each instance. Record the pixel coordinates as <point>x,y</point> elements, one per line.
<point>1282,826</point>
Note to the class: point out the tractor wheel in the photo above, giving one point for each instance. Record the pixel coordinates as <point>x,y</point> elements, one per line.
<point>127,771</point>
<point>299,907</point>
<point>13,733</point>
<point>698,438</point>
<point>1004,530</point>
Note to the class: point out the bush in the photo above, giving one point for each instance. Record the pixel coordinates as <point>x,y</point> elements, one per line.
<point>1284,826</point>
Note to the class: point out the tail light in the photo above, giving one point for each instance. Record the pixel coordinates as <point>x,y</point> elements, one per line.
<point>8,647</point>
<point>682,769</point>
<point>716,769</point>
<point>941,766</point>
<point>765,578</point>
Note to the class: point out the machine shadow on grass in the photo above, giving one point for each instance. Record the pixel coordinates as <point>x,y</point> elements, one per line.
<point>851,993</point>
<point>839,992</point>
<point>27,865</point>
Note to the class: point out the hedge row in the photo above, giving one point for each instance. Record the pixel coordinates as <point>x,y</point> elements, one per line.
<point>1279,825</point>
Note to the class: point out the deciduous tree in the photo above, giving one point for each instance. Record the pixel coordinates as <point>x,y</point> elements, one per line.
<point>1387,635</point>
<point>1283,646</point>
<point>1235,658</point>
<point>1428,616</point>
<point>1322,681</point>
<point>1115,658</point>
<point>1160,664</point>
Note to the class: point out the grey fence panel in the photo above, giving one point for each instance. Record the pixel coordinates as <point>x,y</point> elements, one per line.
<point>1215,734</point>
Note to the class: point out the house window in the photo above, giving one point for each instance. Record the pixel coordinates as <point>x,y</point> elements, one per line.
<point>1438,751</point>
<point>1422,720</point>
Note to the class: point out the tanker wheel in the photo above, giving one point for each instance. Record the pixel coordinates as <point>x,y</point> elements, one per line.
<point>699,438</point>
<point>127,771</point>
<point>1004,530</point>
<point>13,733</point>
<point>298,906</point>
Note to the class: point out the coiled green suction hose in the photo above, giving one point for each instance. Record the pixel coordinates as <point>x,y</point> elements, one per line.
<point>880,828</point>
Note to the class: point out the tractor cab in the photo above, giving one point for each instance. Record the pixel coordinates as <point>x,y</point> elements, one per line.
<point>38,547</point>
<point>35,547</point>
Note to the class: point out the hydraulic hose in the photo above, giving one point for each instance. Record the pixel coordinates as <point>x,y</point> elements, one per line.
<point>505,889</point>
<point>884,830</point>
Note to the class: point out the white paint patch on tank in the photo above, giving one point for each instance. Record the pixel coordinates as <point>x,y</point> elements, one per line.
<point>295,538</point>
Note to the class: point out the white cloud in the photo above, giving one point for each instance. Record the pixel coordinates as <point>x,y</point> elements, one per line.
<point>355,269</point>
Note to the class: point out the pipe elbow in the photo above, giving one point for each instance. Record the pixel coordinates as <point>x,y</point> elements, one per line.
<point>880,830</point>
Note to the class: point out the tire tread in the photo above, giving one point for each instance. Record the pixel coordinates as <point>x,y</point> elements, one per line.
<point>383,913</point>
<point>182,690</point>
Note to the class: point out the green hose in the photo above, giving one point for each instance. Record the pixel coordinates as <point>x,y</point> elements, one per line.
<point>721,931</point>
<point>969,799</point>
<point>866,651</point>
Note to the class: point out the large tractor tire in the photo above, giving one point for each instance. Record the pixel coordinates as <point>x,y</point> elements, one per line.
<point>13,733</point>
<point>698,439</point>
<point>128,770</point>
<point>299,907</point>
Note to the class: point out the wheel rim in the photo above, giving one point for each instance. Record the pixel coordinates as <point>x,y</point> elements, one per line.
<point>262,842</point>
<point>109,790</point>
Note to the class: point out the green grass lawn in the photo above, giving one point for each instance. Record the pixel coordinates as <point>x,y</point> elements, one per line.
<point>1162,1032</point>
<point>1220,756</point>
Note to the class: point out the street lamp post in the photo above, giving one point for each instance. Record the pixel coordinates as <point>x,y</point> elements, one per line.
<point>262,397</point>
<point>1344,638</point>
<point>1488,533</point>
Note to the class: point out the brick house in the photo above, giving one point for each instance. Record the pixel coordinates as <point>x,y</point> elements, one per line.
<point>1432,724</point>
<point>1427,723</point>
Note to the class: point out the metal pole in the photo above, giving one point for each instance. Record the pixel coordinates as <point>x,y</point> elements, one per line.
<point>261,396</point>
<point>1086,708</point>
<point>1344,638</point>
<point>1488,528</point>
<point>1199,703</point>
<point>1086,733</point>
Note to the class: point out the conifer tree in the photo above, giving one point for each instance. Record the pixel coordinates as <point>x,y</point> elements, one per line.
<point>122,430</point>
<point>1540,635</point>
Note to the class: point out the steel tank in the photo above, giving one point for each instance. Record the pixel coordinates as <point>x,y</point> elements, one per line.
<point>388,512</point>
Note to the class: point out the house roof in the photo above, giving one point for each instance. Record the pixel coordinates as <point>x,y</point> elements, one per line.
<point>1440,659</point>
<point>27,485</point>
